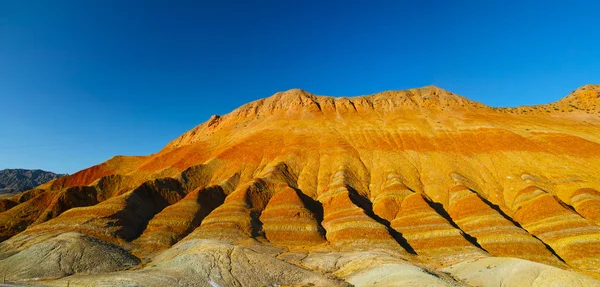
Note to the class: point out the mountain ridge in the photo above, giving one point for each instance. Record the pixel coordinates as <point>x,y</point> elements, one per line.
<point>342,188</point>
<point>428,97</point>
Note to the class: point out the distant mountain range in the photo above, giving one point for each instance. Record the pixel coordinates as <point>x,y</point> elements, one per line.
<point>18,180</point>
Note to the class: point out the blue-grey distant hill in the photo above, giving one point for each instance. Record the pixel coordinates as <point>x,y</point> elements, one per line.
<point>18,180</point>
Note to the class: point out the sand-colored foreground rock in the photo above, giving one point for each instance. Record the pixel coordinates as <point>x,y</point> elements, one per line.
<point>509,272</point>
<point>64,255</point>
<point>378,267</point>
<point>394,274</point>
<point>212,263</point>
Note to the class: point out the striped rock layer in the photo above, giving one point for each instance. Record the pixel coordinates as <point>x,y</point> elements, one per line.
<point>424,173</point>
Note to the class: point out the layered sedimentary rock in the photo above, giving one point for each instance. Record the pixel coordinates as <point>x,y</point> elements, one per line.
<point>45,206</point>
<point>423,225</point>
<point>342,190</point>
<point>586,202</point>
<point>573,238</point>
<point>494,230</point>
<point>348,218</point>
<point>237,218</point>
<point>293,219</point>
<point>179,219</point>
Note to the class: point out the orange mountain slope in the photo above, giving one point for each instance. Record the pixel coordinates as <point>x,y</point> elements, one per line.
<point>422,178</point>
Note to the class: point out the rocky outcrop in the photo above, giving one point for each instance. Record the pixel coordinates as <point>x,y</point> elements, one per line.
<point>66,254</point>
<point>500,271</point>
<point>209,263</point>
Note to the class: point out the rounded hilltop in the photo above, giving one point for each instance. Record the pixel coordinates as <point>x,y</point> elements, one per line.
<point>428,99</point>
<point>430,102</point>
<point>586,97</point>
<point>584,101</point>
<point>299,104</point>
<point>428,96</point>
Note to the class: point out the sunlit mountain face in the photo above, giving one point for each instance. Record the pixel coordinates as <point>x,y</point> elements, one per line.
<point>421,186</point>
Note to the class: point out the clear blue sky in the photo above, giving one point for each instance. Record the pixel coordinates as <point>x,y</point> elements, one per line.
<point>83,80</point>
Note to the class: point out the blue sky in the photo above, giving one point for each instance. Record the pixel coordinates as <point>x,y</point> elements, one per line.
<point>82,81</point>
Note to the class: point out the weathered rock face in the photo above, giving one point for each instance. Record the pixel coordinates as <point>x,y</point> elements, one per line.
<point>567,232</point>
<point>179,219</point>
<point>421,180</point>
<point>497,233</point>
<point>292,221</point>
<point>66,254</point>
